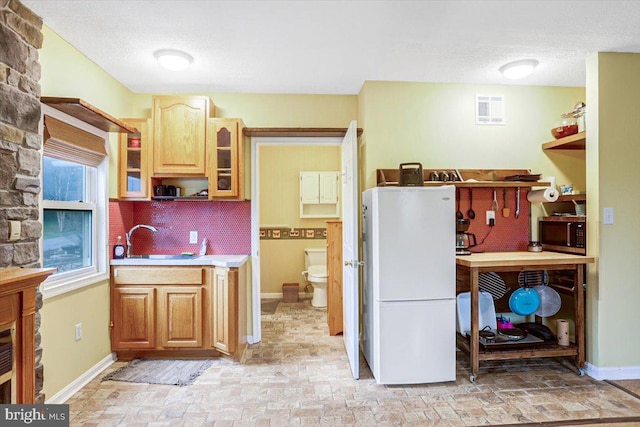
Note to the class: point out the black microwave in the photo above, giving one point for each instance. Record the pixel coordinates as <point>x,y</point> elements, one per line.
<point>563,234</point>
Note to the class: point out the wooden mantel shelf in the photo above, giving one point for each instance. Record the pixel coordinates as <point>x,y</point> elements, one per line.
<point>86,112</point>
<point>297,132</point>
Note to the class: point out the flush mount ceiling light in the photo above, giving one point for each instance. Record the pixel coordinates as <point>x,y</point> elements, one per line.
<point>518,69</point>
<point>174,60</point>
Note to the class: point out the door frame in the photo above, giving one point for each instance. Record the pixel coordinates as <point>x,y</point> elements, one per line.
<point>256,143</point>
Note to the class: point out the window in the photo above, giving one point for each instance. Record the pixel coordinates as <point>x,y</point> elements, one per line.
<point>68,211</point>
<point>74,201</point>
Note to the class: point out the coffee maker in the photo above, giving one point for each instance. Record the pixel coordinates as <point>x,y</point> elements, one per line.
<point>464,240</point>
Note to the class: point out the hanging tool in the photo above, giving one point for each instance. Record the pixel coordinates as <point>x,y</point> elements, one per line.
<point>494,204</point>
<point>518,202</point>
<point>458,212</point>
<point>471,213</point>
<point>505,210</point>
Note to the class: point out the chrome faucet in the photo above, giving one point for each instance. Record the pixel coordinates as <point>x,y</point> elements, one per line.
<point>130,233</point>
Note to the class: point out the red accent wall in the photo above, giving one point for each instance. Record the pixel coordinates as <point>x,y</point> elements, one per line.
<point>226,225</point>
<point>509,234</point>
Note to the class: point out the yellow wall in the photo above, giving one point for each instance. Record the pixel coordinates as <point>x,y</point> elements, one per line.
<point>64,358</point>
<point>282,261</point>
<point>67,73</point>
<point>434,123</point>
<point>613,181</point>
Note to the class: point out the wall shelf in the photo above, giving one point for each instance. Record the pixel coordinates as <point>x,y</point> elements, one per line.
<point>475,178</point>
<point>571,142</point>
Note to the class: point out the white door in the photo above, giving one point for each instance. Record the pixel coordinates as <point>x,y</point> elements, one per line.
<point>350,214</point>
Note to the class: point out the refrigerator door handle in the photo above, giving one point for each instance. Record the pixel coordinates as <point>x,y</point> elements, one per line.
<point>354,263</point>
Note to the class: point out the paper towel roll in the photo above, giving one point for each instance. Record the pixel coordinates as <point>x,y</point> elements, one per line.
<point>562,330</point>
<point>546,195</point>
<point>552,181</point>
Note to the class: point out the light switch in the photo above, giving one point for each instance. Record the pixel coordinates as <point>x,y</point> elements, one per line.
<point>607,216</point>
<point>193,237</point>
<point>14,230</point>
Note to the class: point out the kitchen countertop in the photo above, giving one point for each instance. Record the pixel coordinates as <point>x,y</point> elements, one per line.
<point>204,260</point>
<point>505,259</point>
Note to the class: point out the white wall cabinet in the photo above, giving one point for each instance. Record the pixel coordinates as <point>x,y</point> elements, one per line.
<point>319,194</point>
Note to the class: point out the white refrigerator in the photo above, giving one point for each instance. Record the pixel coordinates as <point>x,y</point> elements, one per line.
<point>409,284</point>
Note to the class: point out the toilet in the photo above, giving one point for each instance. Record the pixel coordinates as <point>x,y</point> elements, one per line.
<point>315,264</point>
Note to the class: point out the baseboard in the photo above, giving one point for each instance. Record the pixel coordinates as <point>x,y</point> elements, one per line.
<point>618,373</point>
<point>278,295</point>
<point>84,379</point>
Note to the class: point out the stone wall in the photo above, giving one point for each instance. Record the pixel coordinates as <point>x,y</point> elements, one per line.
<point>20,143</point>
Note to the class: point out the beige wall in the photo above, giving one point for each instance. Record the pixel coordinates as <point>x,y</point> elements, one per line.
<point>282,261</point>
<point>613,151</point>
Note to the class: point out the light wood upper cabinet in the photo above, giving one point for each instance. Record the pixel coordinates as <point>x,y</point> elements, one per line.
<point>134,161</point>
<point>179,134</point>
<point>226,158</point>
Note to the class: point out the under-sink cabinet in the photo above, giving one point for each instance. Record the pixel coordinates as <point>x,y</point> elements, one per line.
<point>177,310</point>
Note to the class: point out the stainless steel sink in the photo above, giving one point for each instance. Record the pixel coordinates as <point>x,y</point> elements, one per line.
<point>163,256</point>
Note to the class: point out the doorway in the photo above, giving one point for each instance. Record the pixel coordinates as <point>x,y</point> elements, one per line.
<point>262,147</point>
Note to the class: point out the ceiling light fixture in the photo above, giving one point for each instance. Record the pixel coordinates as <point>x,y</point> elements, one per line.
<point>518,69</point>
<point>174,60</point>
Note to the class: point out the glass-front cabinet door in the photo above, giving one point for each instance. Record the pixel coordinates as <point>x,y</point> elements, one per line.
<point>225,152</point>
<point>133,167</point>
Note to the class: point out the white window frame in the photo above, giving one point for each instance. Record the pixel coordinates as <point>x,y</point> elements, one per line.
<point>97,192</point>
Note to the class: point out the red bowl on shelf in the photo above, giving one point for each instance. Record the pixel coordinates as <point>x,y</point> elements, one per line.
<point>562,131</point>
<point>134,142</point>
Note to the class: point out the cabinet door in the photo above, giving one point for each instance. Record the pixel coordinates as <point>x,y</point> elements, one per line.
<point>179,135</point>
<point>334,277</point>
<point>328,192</point>
<point>226,163</point>
<point>134,162</point>
<point>180,316</point>
<point>225,327</point>
<point>133,318</point>
<point>309,187</point>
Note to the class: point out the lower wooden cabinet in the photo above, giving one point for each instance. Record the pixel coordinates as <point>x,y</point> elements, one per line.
<point>180,314</point>
<point>133,317</point>
<point>180,309</point>
<point>225,299</point>
<point>334,277</point>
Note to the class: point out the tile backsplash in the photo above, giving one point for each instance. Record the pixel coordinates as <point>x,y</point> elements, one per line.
<point>226,226</point>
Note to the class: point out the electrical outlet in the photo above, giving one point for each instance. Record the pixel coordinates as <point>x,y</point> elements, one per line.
<point>78,331</point>
<point>607,216</point>
<point>193,237</point>
<point>491,218</point>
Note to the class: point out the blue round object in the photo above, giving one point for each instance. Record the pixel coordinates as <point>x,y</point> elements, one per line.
<point>524,301</point>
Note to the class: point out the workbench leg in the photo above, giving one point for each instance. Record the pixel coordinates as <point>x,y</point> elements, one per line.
<point>579,316</point>
<point>475,335</point>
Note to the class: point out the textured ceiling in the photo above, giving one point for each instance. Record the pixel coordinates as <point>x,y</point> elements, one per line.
<point>332,47</point>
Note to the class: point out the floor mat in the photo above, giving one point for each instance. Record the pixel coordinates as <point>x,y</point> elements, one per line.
<point>269,306</point>
<point>162,371</point>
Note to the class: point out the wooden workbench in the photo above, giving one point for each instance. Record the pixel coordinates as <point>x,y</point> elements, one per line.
<point>469,267</point>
